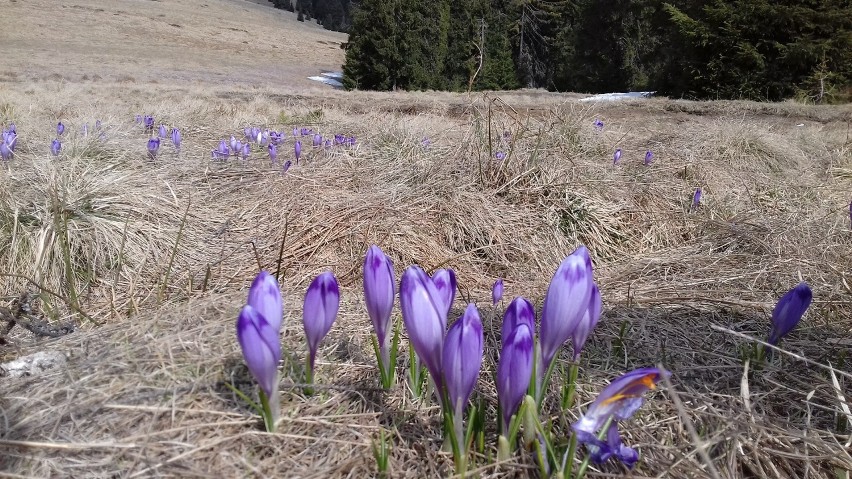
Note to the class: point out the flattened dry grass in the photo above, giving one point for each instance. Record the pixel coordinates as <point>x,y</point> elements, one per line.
<point>145,395</point>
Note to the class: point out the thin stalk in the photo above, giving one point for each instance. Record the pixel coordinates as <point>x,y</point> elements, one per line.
<point>569,389</point>
<point>174,253</point>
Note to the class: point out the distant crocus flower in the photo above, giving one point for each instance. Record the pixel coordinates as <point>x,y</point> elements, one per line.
<point>263,138</point>
<point>149,122</point>
<point>5,151</point>
<point>297,148</point>
<point>317,140</point>
<point>461,359</point>
<point>322,301</point>
<point>275,137</point>
<point>10,139</point>
<point>153,147</point>
<point>425,142</point>
<point>519,312</point>
<point>445,283</point>
<point>222,152</point>
<point>176,138</point>
<point>85,129</point>
<point>247,132</point>
<point>246,151</point>
<point>696,198</point>
<point>60,128</point>
<point>587,324</point>
<point>500,155</point>
<point>789,311</point>
<point>328,143</point>
<point>97,124</point>
<point>287,165</point>
<point>379,293</point>
<point>616,157</point>
<point>238,148</point>
<point>295,132</point>
<point>306,131</point>
<point>514,371</point>
<point>649,157</point>
<point>233,143</point>
<point>163,131</point>
<point>424,314</point>
<point>55,146</point>
<point>619,401</point>
<point>565,303</point>
<point>138,118</point>
<point>13,129</point>
<point>497,291</point>
<point>273,152</point>
<point>598,124</point>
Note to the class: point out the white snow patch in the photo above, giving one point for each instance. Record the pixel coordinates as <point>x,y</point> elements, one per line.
<point>619,96</point>
<point>35,364</point>
<point>329,78</point>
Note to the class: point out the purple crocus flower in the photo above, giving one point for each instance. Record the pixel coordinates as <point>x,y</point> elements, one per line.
<point>139,119</point>
<point>379,293</point>
<point>222,152</point>
<point>445,283</point>
<point>287,165</point>
<point>616,157</point>
<point>97,124</point>
<point>153,147</point>
<point>462,359</point>
<point>238,148</point>
<point>566,302</point>
<point>246,151</point>
<point>587,324</point>
<point>649,157</point>
<point>789,311</point>
<point>261,348</point>
<point>55,146</point>
<point>263,137</point>
<point>149,122</point>
<point>12,141</point>
<point>328,143</point>
<point>497,291</point>
<point>598,124</point>
<point>500,155</point>
<point>5,151</point>
<point>163,131</point>
<point>295,132</point>
<point>265,297</point>
<point>696,198</point>
<point>248,133</point>
<point>317,140</point>
<point>424,314</point>
<point>322,300</point>
<point>519,312</point>
<point>273,152</point>
<point>176,138</point>
<point>619,401</point>
<point>425,142</point>
<point>297,148</point>
<point>514,371</point>
<point>233,143</point>
<point>60,128</point>
<point>275,137</point>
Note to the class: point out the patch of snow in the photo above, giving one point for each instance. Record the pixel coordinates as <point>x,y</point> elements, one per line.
<point>619,96</point>
<point>329,78</point>
<point>36,364</point>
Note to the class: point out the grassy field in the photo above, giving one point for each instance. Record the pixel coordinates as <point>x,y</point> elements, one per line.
<point>150,260</point>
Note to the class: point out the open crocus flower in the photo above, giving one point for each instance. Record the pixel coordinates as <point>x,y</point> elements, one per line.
<point>379,293</point>
<point>153,147</point>
<point>497,291</point>
<point>60,128</point>
<point>587,324</point>
<point>149,122</point>
<point>445,283</point>
<point>617,402</point>
<point>616,157</point>
<point>789,311</point>
<point>322,301</point>
<point>649,157</point>
<point>222,152</point>
<point>55,146</point>
<point>424,313</point>
<point>565,303</point>
<point>520,311</point>
<point>514,370</point>
<point>500,155</point>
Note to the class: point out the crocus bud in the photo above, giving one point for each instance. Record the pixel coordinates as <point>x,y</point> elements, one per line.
<point>500,155</point>
<point>424,314</point>
<point>295,132</point>
<point>322,300</point>
<point>273,152</point>
<point>649,157</point>
<point>163,131</point>
<point>519,312</point>
<point>12,141</point>
<point>566,302</point>
<point>55,146</point>
<point>60,128</point>
<point>153,146</point>
<point>514,371</point>
<point>297,148</point>
<point>239,148</point>
<point>529,420</point>
<point>497,291</point>
<point>176,137</point>
<point>696,198</point>
<point>587,324</point>
<point>445,283</point>
<point>462,358</point>
<point>246,151</point>
<point>789,311</point>
<point>379,291</point>
<point>616,157</point>
<point>265,297</point>
<point>317,140</point>
<point>287,165</point>
<point>261,348</point>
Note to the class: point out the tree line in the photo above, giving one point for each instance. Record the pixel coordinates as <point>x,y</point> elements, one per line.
<point>331,14</point>
<point>740,49</point>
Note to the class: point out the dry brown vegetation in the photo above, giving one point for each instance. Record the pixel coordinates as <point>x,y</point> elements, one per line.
<point>144,394</point>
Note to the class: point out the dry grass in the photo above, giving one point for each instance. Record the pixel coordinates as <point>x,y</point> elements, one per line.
<point>144,394</point>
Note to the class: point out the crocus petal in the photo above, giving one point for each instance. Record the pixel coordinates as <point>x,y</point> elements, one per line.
<point>520,311</point>
<point>616,157</point>
<point>649,157</point>
<point>379,290</point>
<point>322,301</point>
<point>265,297</point>
<point>462,358</point>
<point>497,291</point>
<point>789,311</point>
<point>445,282</point>
<point>261,347</point>
<point>565,303</point>
<point>514,370</point>
<point>588,323</point>
<point>425,315</point>
<point>55,147</point>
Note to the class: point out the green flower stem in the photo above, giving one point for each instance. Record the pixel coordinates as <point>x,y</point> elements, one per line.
<point>309,375</point>
<point>569,389</point>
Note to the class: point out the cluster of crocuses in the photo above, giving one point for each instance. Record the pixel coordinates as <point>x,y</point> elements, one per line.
<point>162,132</point>
<point>9,142</point>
